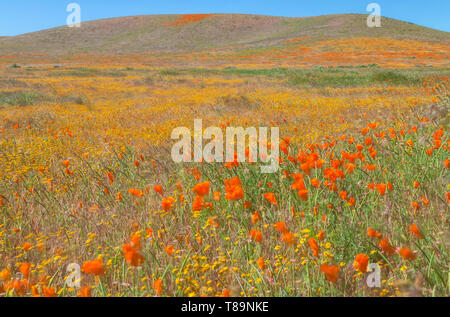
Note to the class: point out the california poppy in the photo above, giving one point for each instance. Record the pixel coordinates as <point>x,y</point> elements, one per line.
<point>407,254</point>
<point>281,226</point>
<point>361,262</point>
<point>48,292</point>
<point>261,263</point>
<point>315,182</point>
<point>169,250</point>
<point>415,231</point>
<point>233,189</point>
<point>372,233</point>
<point>386,246</point>
<point>158,286</point>
<point>84,291</point>
<point>202,189</point>
<point>288,238</point>
<point>25,269</point>
<point>314,246</point>
<point>270,197</point>
<point>167,203</point>
<point>255,217</point>
<point>132,255</point>
<point>198,203</point>
<point>256,235</point>
<point>331,272</point>
<point>158,189</point>
<point>381,188</point>
<point>216,196</point>
<point>213,221</point>
<point>94,267</point>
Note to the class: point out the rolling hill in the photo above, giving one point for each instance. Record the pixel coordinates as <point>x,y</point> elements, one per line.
<point>148,33</point>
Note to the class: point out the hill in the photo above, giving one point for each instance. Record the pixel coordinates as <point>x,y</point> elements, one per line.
<point>138,34</point>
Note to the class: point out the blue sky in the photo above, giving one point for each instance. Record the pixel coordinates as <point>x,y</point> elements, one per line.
<point>23,16</point>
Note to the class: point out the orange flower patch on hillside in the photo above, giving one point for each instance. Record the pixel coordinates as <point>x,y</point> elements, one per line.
<point>189,18</point>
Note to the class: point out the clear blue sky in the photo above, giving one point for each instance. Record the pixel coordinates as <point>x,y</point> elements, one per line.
<point>23,16</point>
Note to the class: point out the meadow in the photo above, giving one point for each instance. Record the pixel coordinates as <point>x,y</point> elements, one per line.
<point>86,177</point>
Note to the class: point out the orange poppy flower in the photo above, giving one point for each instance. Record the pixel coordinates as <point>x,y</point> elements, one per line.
<point>256,235</point>
<point>415,231</point>
<point>256,217</point>
<point>5,275</point>
<point>331,272</point>
<point>198,203</point>
<point>343,194</point>
<point>167,203</point>
<point>202,189</point>
<point>110,177</point>
<point>136,241</point>
<point>158,286</point>
<point>270,197</point>
<point>94,267</point>
<point>381,188</point>
<point>407,254</point>
<point>19,286</point>
<point>361,262</point>
<point>298,184</point>
<point>84,291</point>
<point>25,269</point>
<point>389,186</point>
<point>415,205</point>
<point>48,292</point>
<point>315,182</point>
<point>66,163</point>
<point>233,189</point>
<point>34,291</point>
<point>372,233</point>
<point>158,189</point>
<point>132,256</point>
<point>303,194</point>
<point>349,167</point>
<point>216,196</point>
<point>261,263</point>
<point>226,293</point>
<point>314,246</point>
<point>213,222</point>
<point>386,246</point>
<point>136,192</point>
<point>281,226</point>
<point>320,235</point>
<point>288,238</point>
<point>169,250</point>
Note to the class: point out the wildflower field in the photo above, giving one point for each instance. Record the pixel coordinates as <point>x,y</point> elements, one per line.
<point>86,177</point>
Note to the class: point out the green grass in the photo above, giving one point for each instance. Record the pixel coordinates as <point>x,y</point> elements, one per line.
<point>87,72</point>
<point>356,76</point>
<point>19,98</point>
